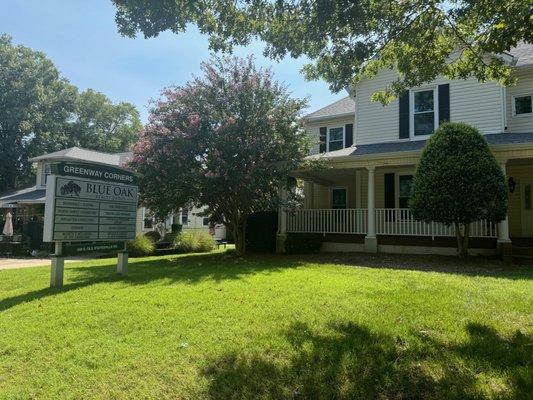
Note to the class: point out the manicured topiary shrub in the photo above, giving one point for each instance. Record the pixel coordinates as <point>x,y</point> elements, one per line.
<point>458,181</point>
<point>195,242</point>
<point>141,246</point>
<point>154,236</point>
<point>303,243</point>
<point>261,231</point>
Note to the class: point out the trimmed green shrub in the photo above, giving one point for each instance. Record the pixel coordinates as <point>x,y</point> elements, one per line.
<point>303,243</point>
<point>154,236</point>
<point>194,242</point>
<point>261,229</point>
<point>458,181</point>
<point>141,246</point>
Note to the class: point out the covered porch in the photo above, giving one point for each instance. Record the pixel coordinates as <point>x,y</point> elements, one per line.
<point>360,203</point>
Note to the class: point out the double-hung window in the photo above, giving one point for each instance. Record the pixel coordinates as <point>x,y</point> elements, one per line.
<point>522,105</point>
<point>185,217</point>
<point>148,220</point>
<point>339,198</point>
<point>335,138</point>
<point>404,190</point>
<point>424,118</point>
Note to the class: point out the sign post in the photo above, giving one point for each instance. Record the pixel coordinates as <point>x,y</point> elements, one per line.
<point>89,208</point>
<point>58,266</point>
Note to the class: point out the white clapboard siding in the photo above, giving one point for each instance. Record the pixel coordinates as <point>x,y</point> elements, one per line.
<point>524,86</point>
<point>472,102</point>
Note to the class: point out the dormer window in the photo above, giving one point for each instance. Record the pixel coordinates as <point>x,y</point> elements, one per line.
<point>424,116</point>
<point>336,138</point>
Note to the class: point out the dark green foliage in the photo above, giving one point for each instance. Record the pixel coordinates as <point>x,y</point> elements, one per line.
<point>33,232</point>
<point>261,231</point>
<point>458,181</point>
<point>40,112</point>
<point>141,246</point>
<point>154,236</point>
<point>349,40</point>
<point>303,243</point>
<point>176,228</point>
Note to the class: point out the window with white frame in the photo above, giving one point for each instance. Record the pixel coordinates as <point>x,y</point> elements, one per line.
<point>522,105</point>
<point>45,172</point>
<point>335,138</point>
<point>424,119</point>
<point>205,221</point>
<point>339,198</point>
<point>185,216</point>
<point>404,190</point>
<point>148,220</point>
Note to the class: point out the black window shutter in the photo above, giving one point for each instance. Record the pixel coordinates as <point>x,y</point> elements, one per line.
<point>404,115</point>
<point>348,132</point>
<point>444,103</point>
<point>323,137</point>
<point>390,198</point>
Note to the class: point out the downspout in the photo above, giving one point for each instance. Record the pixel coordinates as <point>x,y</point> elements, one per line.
<point>503,91</point>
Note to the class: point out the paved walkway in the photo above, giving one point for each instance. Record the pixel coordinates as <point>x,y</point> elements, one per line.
<point>14,263</point>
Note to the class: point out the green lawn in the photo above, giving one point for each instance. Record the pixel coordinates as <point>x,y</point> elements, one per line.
<point>218,327</point>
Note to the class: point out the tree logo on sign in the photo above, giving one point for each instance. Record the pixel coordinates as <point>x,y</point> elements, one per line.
<point>70,189</point>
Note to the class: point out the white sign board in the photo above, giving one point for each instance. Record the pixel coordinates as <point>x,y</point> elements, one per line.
<point>89,210</point>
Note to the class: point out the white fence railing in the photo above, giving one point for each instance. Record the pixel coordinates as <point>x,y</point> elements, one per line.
<point>389,221</point>
<point>400,221</point>
<point>350,220</point>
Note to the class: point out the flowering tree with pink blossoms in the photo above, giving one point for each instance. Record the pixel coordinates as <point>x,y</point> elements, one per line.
<point>226,140</point>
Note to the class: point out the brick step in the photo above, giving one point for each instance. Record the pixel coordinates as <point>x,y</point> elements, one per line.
<point>522,251</point>
<point>523,260</point>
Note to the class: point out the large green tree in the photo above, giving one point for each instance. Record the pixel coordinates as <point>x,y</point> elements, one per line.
<point>40,111</point>
<point>351,39</point>
<point>458,181</point>
<point>225,140</point>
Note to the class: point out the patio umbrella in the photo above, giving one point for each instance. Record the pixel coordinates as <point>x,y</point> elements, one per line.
<point>8,226</point>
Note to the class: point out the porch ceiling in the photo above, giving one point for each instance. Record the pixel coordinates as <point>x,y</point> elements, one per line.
<point>326,177</point>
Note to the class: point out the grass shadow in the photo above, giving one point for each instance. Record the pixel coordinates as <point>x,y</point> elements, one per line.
<point>349,361</point>
<point>188,268</point>
<point>472,266</point>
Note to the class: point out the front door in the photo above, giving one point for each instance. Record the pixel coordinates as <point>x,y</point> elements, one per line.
<point>527,209</point>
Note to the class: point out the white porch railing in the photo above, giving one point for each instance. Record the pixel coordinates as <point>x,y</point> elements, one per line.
<point>389,221</point>
<point>400,221</point>
<point>351,220</point>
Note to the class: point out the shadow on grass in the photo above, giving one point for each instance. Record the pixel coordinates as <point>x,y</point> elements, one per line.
<point>190,268</point>
<point>348,361</point>
<point>472,266</point>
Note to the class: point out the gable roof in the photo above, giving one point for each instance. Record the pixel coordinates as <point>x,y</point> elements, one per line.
<point>340,108</point>
<point>523,53</point>
<point>79,154</point>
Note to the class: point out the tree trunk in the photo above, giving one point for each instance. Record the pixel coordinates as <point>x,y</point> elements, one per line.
<point>238,230</point>
<point>462,239</point>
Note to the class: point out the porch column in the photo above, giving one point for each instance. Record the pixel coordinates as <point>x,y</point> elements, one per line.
<point>371,244</point>
<point>311,193</point>
<point>504,241</point>
<point>282,220</point>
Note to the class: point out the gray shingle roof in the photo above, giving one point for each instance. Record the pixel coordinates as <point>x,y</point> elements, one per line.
<point>523,53</point>
<point>494,140</point>
<point>27,195</point>
<point>79,154</point>
<point>341,107</point>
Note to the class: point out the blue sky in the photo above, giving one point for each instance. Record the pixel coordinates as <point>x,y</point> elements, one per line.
<point>81,38</point>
